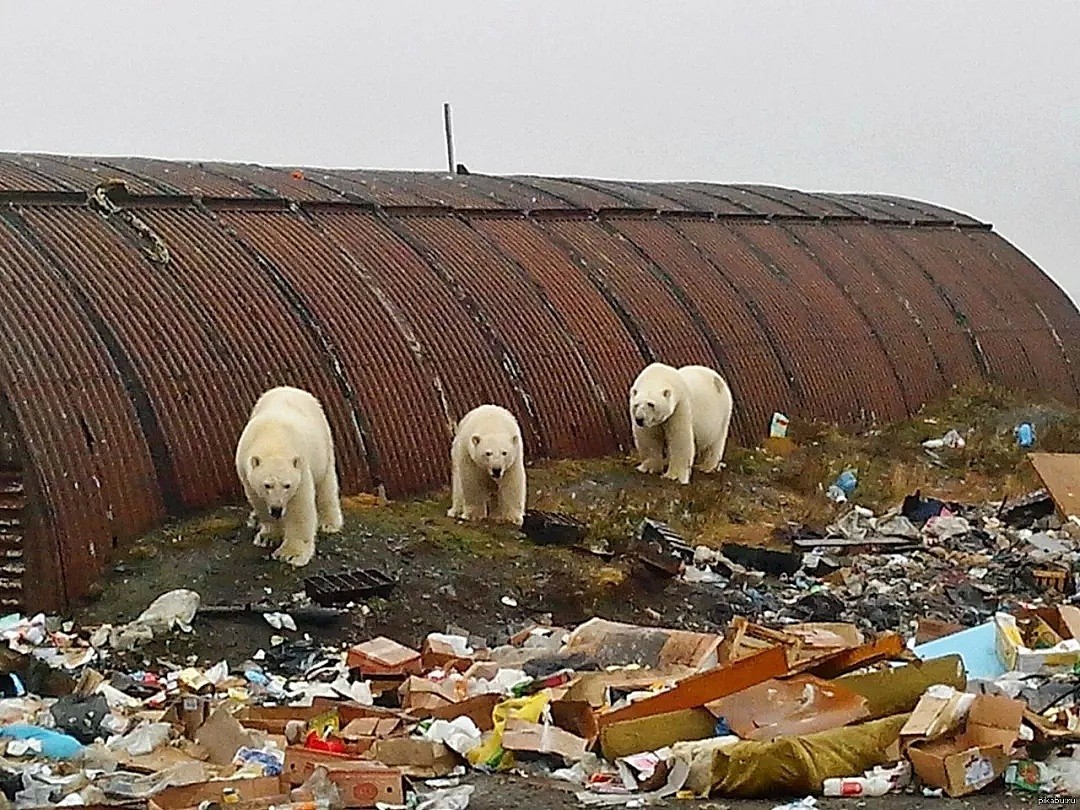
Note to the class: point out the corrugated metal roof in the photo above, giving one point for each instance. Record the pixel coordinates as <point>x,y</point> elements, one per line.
<point>142,323</point>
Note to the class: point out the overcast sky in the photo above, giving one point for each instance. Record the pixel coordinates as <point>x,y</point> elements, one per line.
<point>973,105</point>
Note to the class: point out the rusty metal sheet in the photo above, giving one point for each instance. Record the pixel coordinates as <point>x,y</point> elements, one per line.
<point>573,193</point>
<point>196,179</point>
<point>975,307</point>
<point>635,195</point>
<point>928,211</point>
<point>810,205</point>
<point>690,199</point>
<point>229,283</point>
<point>388,189</point>
<point>750,362</point>
<point>268,182</point>
<point>897,329</point>
<point>84,173</point>
<point>395,409</point>
<point>555,378</point>
<point>463,366</point>
<point>801,337</point>
<point>868,381</point>
<point>631,283</point>
<point>749,200</point>
<point>603,339</point>
<point>23,173</point>
<point>446,190</point>
<point>87,472</point>
<point>173,347</point>
<point>1055,310</point>
<point>504,192</point>
<point>925,300</point>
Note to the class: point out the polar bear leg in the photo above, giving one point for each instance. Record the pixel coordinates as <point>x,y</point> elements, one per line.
<point>299,545</point>
<point>679,431</point>
<point>510,507</point>
<point>457,490</point>
<point>328,503</point>
<point>709,457</point>
<point>650,447</point>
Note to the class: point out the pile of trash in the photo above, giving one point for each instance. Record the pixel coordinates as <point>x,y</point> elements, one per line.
<point>931,650</point>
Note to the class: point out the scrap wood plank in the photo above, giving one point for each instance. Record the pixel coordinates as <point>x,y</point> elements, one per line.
<point>885,647</point>
<point>705,687</point>
<point>1061,474</point>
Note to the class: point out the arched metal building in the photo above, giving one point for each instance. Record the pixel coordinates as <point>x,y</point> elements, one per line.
<point>147,304</point>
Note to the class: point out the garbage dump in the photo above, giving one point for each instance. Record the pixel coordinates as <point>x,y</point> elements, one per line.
<point>808,692</point>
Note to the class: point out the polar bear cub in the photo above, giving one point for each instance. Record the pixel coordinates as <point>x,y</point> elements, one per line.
<point>488,467</point>
<point>285,460</point>
<point>679,416</point>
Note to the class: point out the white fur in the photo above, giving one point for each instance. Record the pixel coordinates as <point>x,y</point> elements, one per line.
<point>285,460</point>
<point>488,439</point>
<point>680,416</point>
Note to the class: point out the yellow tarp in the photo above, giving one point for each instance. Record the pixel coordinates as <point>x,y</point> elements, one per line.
<point>490,753</point>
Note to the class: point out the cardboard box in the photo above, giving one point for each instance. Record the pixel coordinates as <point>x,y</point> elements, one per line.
<point>426,696</point>
<point>175,798</point>
<point>384,656</point>
<point>978,756</point>
<point>362,782</point>
<point>479,709</point>
<point>535,738</point>
<point>437,654</point>
<point>1062,620</point>
<point>419,759</point>
<point>934,717</point>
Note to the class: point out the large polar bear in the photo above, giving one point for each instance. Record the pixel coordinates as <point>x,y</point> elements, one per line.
<point>285,460</point>
<point>488,467</point>
<point>679,416</point>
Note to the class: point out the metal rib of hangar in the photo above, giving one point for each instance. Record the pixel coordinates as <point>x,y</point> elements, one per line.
<point>148,303</point>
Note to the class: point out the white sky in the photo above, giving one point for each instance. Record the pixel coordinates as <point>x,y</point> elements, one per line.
<point>971,104</point>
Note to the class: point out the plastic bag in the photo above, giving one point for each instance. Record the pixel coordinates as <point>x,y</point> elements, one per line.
<point>143,740</point>
<point>490,753</point>
<point>173,609</point>
<point>455,798</point>
<point>461,735</point>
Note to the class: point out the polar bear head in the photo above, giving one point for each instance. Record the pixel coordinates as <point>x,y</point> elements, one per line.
<point>275,479</point>
<point>651,405</point>
<point>495,453</point>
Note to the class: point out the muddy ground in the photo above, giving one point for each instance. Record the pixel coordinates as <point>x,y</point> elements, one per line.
<point>454,574</point>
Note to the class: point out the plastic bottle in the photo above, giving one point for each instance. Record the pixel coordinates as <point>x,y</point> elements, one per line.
<point>857,786</point>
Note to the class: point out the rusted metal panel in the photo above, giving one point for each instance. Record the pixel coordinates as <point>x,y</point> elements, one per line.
<point>809,205</point>
<point>556,377</point>
<point>394,408</point>
<point>928,211</point>
<point>161,329</point>
<point>228,285</point>
<point>632,285</point>
<point>1055,310</point>
<point>690,199</point>
<point>750,363</point>
<point>867,383</point>
<point>896,328</point>
<point>84,173</point>
<point>196,179</point>
<point>269,181</point>
<point>505,193</point>
<point>26,173</point>
<point>87,468</point>
<point>383,188</point>
<point>602,338</point>
<point>750,201</point>
<point>800,339</point>
<point>981,316</point>
<point>572,193</point>
<point>925,300</point>
<point>635,195</point>
<point>469,371</point>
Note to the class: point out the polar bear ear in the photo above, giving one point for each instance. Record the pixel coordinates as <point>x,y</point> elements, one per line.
<point>667,393</point>
<point>296,462</point>
<point>476,439</point>
<point>255,462</point>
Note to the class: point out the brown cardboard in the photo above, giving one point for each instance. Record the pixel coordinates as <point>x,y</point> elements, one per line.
<point>794,707</point>
<point>174,798</point>
<point>384,656</point>
<point>968,762</point>
<point>437,654</point>
<point>1061,474</point>
<point>933,717</point>
<point>222,736</point>
<point>362,782</point>
<point>424,695</point>
<point>419,759</point>
<point>578,718</point>
<point>535,738</point>
<point>478,709</point>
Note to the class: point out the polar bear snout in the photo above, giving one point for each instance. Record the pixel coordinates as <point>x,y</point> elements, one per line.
<point>640,421</point>
<point>496,473</point>
<point>276,512</point>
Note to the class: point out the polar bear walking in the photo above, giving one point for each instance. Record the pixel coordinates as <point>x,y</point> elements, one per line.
<point>680,416</point>
<point>488,467</point>
<point>285,460</point>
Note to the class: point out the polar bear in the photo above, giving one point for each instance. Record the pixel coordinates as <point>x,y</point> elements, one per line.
<point>285,460</point>
<point>488,467</point>
<point>679,416</point>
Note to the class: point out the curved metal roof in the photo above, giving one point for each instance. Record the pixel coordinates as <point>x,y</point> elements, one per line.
<point>148,303</point>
